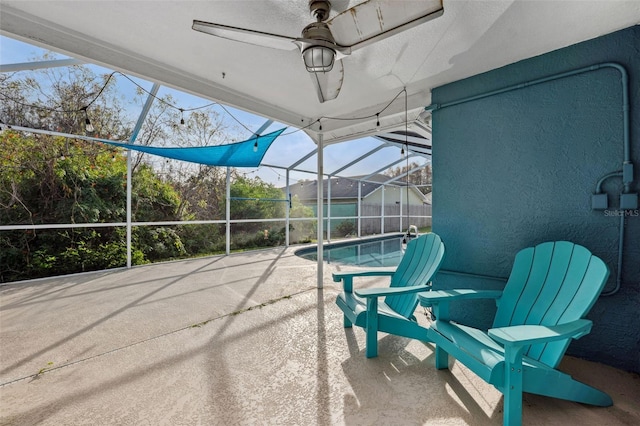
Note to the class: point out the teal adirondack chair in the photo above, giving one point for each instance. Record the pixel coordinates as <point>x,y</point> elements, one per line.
<point>551,288</point>
<point>394,315</point>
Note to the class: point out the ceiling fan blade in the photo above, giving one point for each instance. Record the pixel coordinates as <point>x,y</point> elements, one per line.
<point>374,20</point>
<point>328,84</point>
<point>258,38</point>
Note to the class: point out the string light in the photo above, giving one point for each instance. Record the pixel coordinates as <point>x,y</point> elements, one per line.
<point>89,127</point>
<point>66,149</point>
<point>364,117</point>
<point>255,145</point>
<point>87,123</point>
<point>159,99</point>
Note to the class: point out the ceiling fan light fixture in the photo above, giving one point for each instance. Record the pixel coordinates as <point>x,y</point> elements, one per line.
<point>319,58</point>
<point>359,26</point>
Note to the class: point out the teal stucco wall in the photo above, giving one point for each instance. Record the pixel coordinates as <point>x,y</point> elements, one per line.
<point>518,168</point>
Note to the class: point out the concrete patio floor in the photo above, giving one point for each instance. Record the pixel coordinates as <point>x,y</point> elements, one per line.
<point>240,339</point>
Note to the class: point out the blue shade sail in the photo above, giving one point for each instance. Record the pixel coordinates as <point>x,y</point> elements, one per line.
<point>239,154</point>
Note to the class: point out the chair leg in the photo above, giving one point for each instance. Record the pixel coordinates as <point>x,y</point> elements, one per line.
<point>442,358</point>
<point>372,328</point>
<point>513,387</point>
<point>347,323</point>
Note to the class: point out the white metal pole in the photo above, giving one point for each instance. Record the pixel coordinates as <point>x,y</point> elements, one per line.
<point>132,139</point>
<point>359,209</point>
<point>329,208</point>
<point>401,228</point>
<point>382,209</point>
<point>288,211</point>
<point>320,207</point>
<point>129,208</point>
<point>228,212</point>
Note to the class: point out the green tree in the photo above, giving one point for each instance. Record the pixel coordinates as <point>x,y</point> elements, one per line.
<point>54,180</point>
<point>156,200</point>
<point>50,180</point>
<point>259,199</point>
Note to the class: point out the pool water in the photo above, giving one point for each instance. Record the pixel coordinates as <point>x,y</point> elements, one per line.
<point>372,252</point>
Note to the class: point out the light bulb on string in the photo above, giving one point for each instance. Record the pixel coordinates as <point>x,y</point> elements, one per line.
<point>255,146</point>
<point>181,117</point>
<point>87,123</point>
<point>66,146</point>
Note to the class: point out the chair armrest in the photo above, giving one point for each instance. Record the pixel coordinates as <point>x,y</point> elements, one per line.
<point>347,277</point>
<point>339,276</point>
<point>439,299</point>
<point>433,297</point>
<point>524,335</point>
<point>390,291</point>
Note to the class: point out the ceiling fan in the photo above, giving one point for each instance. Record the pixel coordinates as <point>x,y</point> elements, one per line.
<point>324,43</point>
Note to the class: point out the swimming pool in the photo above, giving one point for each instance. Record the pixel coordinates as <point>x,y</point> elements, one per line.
<point>370,252</point>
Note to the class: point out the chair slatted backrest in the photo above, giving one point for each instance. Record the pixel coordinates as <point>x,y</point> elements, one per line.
<point>419,264</point>
<point>551,283</point>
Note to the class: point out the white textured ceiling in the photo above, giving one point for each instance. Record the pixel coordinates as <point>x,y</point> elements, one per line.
<point>154,39</point>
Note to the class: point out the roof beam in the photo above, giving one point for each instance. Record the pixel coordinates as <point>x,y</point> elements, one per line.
<point>144,112</point>
<point>303,159</point>
<point>24,66</point>
<point>52,133</point>
<point>357,160</point>
<point>313,172</point>
<point>387,166</point>
<point>263,127</point>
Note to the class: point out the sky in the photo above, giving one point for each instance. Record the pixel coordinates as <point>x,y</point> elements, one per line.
<point>286,150</point>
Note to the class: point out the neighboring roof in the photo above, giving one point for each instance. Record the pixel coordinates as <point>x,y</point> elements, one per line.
<point>155,40</point>
<point>342,188</point>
